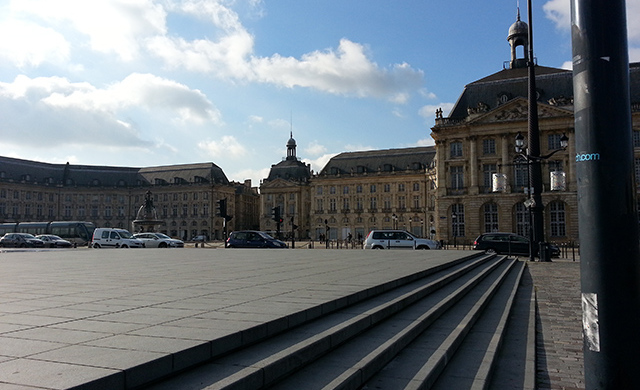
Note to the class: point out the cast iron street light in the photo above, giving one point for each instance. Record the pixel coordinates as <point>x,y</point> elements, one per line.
<point>535,190</point>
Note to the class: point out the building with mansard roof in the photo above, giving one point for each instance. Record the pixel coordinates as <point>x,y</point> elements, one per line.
<point>287,187</point>
<point>477,142</point>
<point>353,194</point>
<point>357,192</point>
<point>185,195</point>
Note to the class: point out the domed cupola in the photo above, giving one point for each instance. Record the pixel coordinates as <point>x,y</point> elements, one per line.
<point>291,148</point>
<point>519,36</point>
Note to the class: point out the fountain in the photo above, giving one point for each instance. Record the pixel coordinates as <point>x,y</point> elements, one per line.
<point>147,217</point>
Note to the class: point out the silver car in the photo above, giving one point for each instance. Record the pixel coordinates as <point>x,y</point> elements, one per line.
<point>397,239</point>
<point>158,240</point>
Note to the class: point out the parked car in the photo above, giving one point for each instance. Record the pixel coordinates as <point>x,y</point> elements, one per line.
<point>158,240</point>
<point>253,239</point>
<point>53,241</point>
<point>397,239</point>
<point>20,240</point>
<point>114,238</point>
<point>509,244</point>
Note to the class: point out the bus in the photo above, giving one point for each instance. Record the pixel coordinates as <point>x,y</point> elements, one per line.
<point>77,232</point>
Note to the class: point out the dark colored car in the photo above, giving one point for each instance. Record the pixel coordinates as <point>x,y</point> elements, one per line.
<point>20,240</point>
<point>253,239</point>
<point>509,244</point>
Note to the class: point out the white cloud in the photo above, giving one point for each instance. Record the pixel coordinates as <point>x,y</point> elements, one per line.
<point>256,119</point>
<point>28,44</point>
<point>132,29</point>
<point>227,146</point>
<point>54,110</point>
<point>138,90</point>
<point>111,26</point>
<point>320,162</point>
<point>41,124</point>
<point>425,142</point>
<point>346,71</point>
<point>315,149</point>
<point>255,175</point>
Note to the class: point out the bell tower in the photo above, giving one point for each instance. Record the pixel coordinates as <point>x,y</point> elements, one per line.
<point>519,36</point>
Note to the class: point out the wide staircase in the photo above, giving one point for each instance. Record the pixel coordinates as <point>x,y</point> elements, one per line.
<point>468,325</point>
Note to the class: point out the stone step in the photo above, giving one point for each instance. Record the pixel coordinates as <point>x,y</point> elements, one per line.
<point>445,317</point>
<point>301,349</point>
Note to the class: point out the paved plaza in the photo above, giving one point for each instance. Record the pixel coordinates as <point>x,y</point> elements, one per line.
<point>115,319</point>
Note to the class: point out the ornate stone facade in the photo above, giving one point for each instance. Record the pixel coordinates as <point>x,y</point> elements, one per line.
<point>184,196</point>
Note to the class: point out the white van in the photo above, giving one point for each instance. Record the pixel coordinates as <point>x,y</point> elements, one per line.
<point>114,238</point>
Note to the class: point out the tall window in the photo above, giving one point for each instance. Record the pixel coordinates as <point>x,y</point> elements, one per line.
<point>373,203</point>
<point>521,173</point>
<point>554,141</point>
<point>456,149</point>
<point>332,204</point>
<point>555,166</point>
<point>636,139</point>
<point>522,220</point>
<point>557,219</point>
<point>457,220</point>
<point>489,146</point>
<point>637,170</point>
<point>319,205</point>
<point>402,202</point>
<point>488,170</point>
<point>457,177</point>
<point>490,217</point>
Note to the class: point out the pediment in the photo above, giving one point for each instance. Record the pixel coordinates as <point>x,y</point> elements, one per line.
<point>518,110</point>
<point>279,183</point>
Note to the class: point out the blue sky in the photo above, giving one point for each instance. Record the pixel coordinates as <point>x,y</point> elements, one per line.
<point>156,82</point>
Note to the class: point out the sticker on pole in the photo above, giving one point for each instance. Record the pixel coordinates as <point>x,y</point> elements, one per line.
<point>590,326</point>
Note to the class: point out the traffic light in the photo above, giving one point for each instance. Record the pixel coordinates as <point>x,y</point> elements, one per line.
<point>221,208</point>
<point>275,214</point>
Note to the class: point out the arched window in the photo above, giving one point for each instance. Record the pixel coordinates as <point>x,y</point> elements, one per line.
<point>522,220</point>
<point>557,219</point>
<point>490,217</point>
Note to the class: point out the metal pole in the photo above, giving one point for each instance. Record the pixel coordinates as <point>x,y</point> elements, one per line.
<point>608,219</point>
<point>535,170</point>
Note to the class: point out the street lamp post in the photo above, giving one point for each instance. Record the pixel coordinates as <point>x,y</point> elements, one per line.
<point>534,203</point>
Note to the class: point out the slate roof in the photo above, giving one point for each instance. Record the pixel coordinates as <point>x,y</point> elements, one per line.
<point>551,83</point>
<point>87,175</point>
<point>290,169</point>
<point>385,160</point>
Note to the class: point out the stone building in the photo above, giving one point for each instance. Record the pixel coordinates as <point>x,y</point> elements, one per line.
<point>185,196</point>
<point>477,140</point>
<point>357,192</point>
<point>287,187</point>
